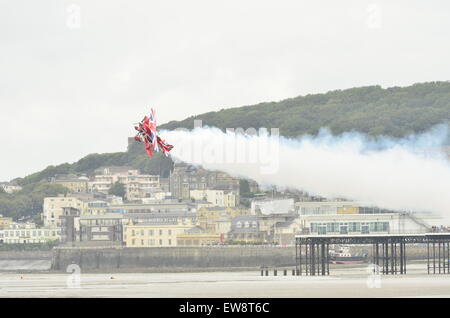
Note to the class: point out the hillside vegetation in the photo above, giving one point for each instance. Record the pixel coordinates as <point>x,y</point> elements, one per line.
<point>134,156</point>
<point>28,202</point>
<point>396,111</point>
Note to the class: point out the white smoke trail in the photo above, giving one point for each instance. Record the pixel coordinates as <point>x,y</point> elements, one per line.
<point>390,173</point>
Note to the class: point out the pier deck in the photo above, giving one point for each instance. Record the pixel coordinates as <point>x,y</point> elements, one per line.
<point>388,251</point>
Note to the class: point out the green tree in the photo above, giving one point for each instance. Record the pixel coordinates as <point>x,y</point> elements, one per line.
<point>27,203</point>
<point>118,189</point>
<point>244,189</point>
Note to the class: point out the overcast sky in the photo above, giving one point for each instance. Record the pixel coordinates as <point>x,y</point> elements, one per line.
<point>75,75</point>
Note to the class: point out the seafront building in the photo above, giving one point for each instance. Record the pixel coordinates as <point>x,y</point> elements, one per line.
<point>101,228</point>
<point>348,217</point>
<point>198,236</point>
<point>86,203</point>
<point>156,229</point>
<point>23,233</point>
<point>246,229</point>
<point>53,208</point>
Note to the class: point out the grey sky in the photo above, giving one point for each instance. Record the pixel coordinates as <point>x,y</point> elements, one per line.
<point>67,91</point>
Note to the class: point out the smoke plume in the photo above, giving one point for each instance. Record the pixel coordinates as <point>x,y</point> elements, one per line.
<point>411,173</point>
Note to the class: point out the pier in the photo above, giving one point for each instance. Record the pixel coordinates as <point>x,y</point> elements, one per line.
<point>312,255</point>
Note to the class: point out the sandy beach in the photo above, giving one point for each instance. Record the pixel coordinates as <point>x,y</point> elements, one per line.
<point>344,281</point>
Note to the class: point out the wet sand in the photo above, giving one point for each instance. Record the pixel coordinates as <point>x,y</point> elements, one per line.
<point>343,282</point>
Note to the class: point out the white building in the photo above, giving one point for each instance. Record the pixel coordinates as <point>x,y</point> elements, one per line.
<point>53,208</point>
<point>137,186</point>
<point>221,198</point>
<point>270,207</point>
<point>326,207</point>
<point>382,223</point>
<point>28,233</point>
<point>343,224</point>
<point>157,196</point>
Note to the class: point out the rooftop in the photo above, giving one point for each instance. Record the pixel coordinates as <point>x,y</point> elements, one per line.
<point>102,216</point>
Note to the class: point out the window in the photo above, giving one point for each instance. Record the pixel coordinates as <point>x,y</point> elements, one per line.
<point>100,237</point>
<point>364,228</point>
<point>381,226</point>
<point>322,229</point>
<point>160,242</point>
<point>150,232</point>
<point>170,232</point>
<point>335,227</point>
<point>170,242</point>
<point>160,232</point>
<point>354,227</point>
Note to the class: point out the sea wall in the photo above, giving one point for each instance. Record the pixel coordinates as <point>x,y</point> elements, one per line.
<point>25,261</point>
<point>172,258</point>
<point>25,255</point>
<point>187,258</point>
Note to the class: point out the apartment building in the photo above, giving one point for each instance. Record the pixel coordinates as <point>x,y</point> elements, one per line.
<point>53,208</point>
<point>75,184</point>
<point>185,178</point>
<point>28,233</point>
<point>221,198</point>
<point>137,186</point>
<point>156,229</point>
